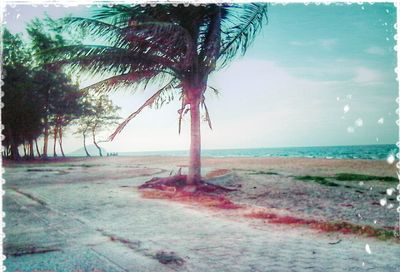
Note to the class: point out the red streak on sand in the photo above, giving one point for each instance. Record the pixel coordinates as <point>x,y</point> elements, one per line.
<point>323,226</point>
<point>213,196</point>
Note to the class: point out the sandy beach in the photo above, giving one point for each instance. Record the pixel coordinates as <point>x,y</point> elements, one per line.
<point>88,214</point>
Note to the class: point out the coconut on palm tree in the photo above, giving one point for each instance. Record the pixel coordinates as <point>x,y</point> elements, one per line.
<point>174,46</point>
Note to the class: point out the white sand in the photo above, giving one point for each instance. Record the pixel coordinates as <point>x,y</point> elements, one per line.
<point>75,210</point>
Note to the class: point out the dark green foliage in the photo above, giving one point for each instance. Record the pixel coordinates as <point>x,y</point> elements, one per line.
<point>36,99</point>
<point>21,115</point>
<point>361,177</point>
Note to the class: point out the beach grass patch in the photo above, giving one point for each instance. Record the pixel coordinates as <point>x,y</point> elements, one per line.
<point>317,179</point>
<point>41,170</point>
<point>264,173</point>
<point>360,177</point>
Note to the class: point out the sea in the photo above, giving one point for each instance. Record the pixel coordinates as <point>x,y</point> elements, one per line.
<point>368,152</point>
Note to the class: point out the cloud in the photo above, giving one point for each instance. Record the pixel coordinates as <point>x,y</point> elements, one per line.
<point>298,43</point>
<point>327,43</point>
<point>364,75</point>
<point>375,50</point>
<point>324,43</point>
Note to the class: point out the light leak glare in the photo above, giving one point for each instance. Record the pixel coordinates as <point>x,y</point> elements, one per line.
<point>350,129</point>
<point>359,122</point>
<point>390,159</point>
<point>368,249</point>
<point>390,191</point>
<point>346,108</point>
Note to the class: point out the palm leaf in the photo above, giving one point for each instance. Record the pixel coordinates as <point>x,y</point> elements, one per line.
<point>96,59</point>
<point>149,102</point>
<point>239,29</point>
<point>120,81</point>
<point>108,33</point>
<point>207,117</point>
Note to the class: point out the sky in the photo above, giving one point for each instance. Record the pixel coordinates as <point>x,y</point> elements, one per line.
<point>316,75</point>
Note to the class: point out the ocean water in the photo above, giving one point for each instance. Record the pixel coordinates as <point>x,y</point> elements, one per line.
<point>370,152</point>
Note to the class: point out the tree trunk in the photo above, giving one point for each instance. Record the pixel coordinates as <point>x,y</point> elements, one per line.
<point>94,141</point>
<point>37,148</point>
<point>31,153</point>
<point>60,141</point>
<point>24,146</point>
<point>46,137</point>
<point>14,147</point>
<point>84,144</point>
<point>55,141</point>
<point>195,143</point>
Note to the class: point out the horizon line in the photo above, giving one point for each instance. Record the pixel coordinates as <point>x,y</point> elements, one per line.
<point>244,148</point>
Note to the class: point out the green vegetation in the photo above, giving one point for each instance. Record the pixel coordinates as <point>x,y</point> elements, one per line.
<point>346,227</point>
<point>344,177</point>
<point>41,101</point>
<point>37,100</point>
<point>264,173</point>
<point>317,179</point>
<point>359,177</point>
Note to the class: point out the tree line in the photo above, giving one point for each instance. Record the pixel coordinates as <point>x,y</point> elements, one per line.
<point>41,101</point>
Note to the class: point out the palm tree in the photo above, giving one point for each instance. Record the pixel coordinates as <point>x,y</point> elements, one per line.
<point>174,46</point>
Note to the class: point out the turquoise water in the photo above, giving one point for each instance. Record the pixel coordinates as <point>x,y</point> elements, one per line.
<point>371,152</point>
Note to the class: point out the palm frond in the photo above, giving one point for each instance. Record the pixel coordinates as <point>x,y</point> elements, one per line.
<point>239,29</point>
<point>215,91</point>
<point>120,81</point>
<point>123,14</point>
<point>97,29</point>
<point>211,34</point>
<point>149,102</point>
<point>169,35</point>
<point>182,111</point>
<point>207,117</point>
<point>96,59</point>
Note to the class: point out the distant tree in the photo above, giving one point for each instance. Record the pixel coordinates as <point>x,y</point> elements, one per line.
<point>82,129</point>
<point>64,106</point>
<point>22,112</point>
<point>99,114</point>
<point>174,46</point>
<point>60,97</point>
